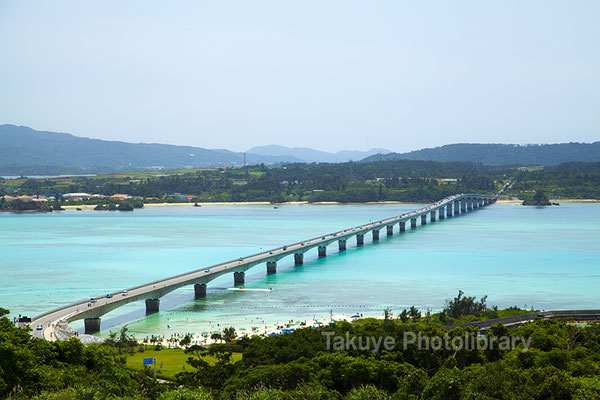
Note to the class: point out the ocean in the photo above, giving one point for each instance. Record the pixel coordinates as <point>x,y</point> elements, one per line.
<point>540,257</point>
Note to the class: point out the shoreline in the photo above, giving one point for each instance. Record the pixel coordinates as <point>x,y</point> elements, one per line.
<point>247,203</point>
<point>319,203</point>
<point>263,330</point>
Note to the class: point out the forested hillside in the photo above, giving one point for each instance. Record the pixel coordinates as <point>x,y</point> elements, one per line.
<point>400,180</point>
<point>27,151</point>
<point>417,181</point>
<point>560,361</point>
<point>568,180</point>
<point>502,154</point>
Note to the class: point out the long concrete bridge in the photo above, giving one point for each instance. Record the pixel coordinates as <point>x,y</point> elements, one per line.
<point>151,293</point>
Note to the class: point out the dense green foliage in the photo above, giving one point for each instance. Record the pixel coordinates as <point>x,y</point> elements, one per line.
<point>417,181</point>
<point>503,154</point>
<point>31,366</point>
<point>23,206</point>
<point>569,180</point>
<point>402,180</point>
<point>563,362</point>
<point>538,199</point>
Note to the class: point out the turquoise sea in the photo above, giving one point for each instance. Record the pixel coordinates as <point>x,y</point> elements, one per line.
<point>548,258</point>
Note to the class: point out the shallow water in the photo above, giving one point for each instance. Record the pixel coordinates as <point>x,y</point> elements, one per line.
<point>548,258</point>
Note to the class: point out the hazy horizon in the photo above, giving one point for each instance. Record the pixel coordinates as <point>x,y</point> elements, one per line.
<point>327,151</point>
<point>333,76</point>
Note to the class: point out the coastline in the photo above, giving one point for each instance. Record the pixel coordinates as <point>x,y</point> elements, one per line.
<point>319,203</point>
<point>247,203</point>
<point>263,330</point>
<point>577,200</point>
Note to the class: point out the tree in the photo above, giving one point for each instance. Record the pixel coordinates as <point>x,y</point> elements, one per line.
<point>387,314</point>
<point>464,305</point>
<point>540,197</point>
<point>229,334</point>
<point>414,313</point>
<point>403,315</point>
<point>185,341</point>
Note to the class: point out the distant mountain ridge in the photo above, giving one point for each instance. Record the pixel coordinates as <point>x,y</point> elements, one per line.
<point>25,150</point>
<point>502,154</point>
<point>309,155</point>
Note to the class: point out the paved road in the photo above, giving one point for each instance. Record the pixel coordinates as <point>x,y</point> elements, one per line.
<point>575,315</point>
<point>44,324</point>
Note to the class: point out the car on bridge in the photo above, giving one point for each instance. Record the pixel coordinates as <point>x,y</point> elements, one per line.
<point>39,327</point>
<point>92,300</point>
<point>124,293</point>
<point>207,270</point>
<point>109,296</point>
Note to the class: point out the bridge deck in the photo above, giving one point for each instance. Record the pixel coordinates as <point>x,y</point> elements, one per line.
<point>157,289</point>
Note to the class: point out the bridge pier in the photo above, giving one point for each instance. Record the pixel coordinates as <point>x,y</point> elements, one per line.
<point>200,290</point>
<point>91,325</point>
<point>432,216</point>
<point>413,223</point>
<point>442,211</point>
<point>456,207</point>
<point>322,251</point>
<point>402,226</point>
<point>449,210</point>
<point>463,206</point>
<point>375,234</point>
<point>360,239</point>
<point>342,244</point>
<point>271,267</point>
<point>298,259</point>
<point>239,278</point>
<point>390,230</point>
<point>470,204</point>
<point>152,305</point>
<point>424,219</point>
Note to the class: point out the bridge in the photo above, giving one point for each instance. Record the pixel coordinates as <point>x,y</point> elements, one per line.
<point>151,292</point>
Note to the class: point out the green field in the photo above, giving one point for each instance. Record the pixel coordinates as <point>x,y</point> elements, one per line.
<point>173,361</point>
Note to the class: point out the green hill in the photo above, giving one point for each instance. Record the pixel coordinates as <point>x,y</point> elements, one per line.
<point>502,154</point>
<point>27,151</point>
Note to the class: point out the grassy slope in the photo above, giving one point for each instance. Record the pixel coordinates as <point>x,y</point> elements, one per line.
<point>173,361</point>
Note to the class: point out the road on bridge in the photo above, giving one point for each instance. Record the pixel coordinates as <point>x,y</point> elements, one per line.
<point>44,325</point>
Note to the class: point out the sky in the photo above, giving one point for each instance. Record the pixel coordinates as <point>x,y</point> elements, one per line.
<point>400,75</point>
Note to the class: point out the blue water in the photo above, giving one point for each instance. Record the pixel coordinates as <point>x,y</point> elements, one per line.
<point>548,258</point>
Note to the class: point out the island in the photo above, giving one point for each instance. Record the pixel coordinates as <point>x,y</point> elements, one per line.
<point>539,199</point>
